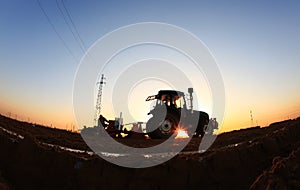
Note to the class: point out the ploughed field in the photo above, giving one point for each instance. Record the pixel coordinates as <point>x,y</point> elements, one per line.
<point>36,157</point>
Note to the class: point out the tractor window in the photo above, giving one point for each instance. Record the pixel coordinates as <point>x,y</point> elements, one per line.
<point>176,101</point>
<point>179,102</point>
<point>158,102</point>
<point>166,100</point>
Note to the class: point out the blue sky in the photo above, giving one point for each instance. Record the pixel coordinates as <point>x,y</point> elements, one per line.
<point>255,43</point>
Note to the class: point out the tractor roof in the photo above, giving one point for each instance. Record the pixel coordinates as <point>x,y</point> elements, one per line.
<point>170,92</point>
<point>164,93</point>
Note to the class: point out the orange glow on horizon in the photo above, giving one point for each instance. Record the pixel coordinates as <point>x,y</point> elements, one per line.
<point>236,117</point>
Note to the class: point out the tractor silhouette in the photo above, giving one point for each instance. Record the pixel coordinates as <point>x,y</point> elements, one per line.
<point>170,112</point>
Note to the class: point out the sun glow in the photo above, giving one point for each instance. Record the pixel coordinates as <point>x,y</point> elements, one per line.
<point>181,134</point>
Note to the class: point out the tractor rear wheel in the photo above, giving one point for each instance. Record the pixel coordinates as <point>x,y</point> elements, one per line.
<point>162,129</point>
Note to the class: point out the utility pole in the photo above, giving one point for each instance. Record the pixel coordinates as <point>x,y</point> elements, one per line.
<point>99,98</point>
<point>251,116</point>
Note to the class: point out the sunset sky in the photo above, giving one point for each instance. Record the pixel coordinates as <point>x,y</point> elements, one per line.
<point>256,45</point>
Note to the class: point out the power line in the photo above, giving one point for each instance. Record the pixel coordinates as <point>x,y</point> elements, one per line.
<point>70,28</point>
<point>69,16</point>
<point>53,27</point>
<point>81,44</point>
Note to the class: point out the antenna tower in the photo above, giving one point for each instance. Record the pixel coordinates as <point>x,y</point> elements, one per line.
<point>99,98</point>
<point>251,116</point>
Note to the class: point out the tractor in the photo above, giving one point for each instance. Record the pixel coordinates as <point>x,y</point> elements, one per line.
<point>170,112</point>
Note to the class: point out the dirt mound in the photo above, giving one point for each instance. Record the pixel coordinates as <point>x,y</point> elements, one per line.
<point>233,162</point>
<point>3,183</point>
<point>284,173</point>
<point>44,134</point>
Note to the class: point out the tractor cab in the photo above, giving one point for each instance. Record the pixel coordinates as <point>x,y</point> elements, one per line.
<point>170,98</point>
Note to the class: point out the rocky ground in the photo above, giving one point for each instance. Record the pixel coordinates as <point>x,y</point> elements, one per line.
<point>256,158</point>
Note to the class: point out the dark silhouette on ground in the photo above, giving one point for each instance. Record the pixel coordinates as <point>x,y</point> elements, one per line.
<point>254,157</point>
<point>171,111</point>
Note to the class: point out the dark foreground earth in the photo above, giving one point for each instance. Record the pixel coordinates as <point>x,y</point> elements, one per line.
<point>32,157</point>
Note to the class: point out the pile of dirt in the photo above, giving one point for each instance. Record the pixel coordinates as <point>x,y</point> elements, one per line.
<point>233,162</point>
<point>284,173</point>
<point>44,134</point>
<point>3,183</point>
<point>236,167</point>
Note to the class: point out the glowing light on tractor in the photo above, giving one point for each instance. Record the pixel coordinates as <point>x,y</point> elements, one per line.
<point>181,133</point>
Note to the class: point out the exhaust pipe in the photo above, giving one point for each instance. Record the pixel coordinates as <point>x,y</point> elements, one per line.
<point>190,91</point>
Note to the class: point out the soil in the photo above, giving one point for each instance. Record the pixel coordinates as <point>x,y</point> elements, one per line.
<point>256,158</point>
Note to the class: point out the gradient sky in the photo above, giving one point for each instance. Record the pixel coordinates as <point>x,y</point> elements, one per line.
<point>255,43</point>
